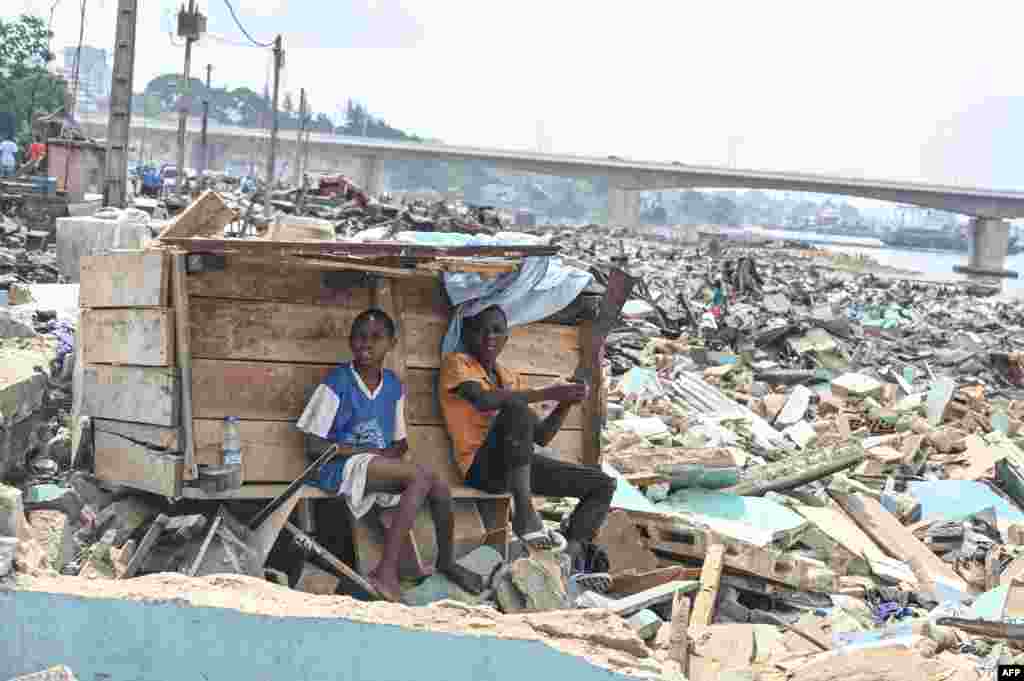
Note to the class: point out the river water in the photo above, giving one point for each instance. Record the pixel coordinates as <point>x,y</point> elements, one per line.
<point>932,265</point>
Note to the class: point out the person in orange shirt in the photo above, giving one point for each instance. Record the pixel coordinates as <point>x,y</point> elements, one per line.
<point>494,432</point>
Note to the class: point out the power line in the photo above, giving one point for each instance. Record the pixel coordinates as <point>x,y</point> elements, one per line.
<point>242,28</point>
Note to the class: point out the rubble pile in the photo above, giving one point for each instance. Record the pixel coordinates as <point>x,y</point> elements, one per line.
<point>820,462</point>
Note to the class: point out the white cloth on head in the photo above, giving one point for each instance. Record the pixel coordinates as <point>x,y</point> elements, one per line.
<point>353,487</point>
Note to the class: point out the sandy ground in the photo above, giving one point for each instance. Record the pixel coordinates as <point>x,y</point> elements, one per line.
<point>596,635</point>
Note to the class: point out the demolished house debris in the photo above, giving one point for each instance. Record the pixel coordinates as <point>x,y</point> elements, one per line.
<point>819,469</point>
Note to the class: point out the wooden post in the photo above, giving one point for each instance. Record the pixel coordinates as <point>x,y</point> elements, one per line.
<point>710,577</point>
<point>679,638</point>
<point>591,349</point>
<point>387,297</point>
<point>184,357</point>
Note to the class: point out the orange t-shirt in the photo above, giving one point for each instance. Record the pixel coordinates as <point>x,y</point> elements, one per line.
<point>467,426</point>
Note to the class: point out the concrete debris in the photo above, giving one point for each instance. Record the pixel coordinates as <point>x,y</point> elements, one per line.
<point>817,461</point>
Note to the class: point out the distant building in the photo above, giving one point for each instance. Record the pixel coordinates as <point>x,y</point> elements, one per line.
<point>94,75</point>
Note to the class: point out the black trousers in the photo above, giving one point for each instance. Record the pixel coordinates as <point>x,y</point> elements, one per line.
<point>510,445</point>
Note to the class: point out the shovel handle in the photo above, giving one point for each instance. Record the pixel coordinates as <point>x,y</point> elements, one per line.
<point>275,503</point>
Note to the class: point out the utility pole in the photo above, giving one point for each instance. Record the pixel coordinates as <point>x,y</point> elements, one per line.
<point>206,116</point>
<point>298,136</point>
<point>191,25</point>
<point>115,171</point>
<point>278,64</point>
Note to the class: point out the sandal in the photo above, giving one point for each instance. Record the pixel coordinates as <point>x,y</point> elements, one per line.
<point>599,582</point>
<point>545,540</point>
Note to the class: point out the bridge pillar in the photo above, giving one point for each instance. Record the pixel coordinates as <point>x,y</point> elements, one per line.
<point>987,248</point>
<point>369,174</point>
<point>623,207</point>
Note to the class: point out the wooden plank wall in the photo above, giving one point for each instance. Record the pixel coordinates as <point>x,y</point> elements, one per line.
<point>263,336</point>
<point>130,382</point>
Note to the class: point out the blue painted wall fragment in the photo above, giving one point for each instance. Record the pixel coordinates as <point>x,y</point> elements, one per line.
<point>125,640</point>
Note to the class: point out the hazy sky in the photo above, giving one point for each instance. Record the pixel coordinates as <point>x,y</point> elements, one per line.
<point>872,88</point>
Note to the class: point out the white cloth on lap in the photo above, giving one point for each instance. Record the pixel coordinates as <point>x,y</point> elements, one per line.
<point>353,487</point>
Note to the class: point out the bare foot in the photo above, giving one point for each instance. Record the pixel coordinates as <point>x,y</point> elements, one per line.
<point>389,589</point>
<point>461,576</point>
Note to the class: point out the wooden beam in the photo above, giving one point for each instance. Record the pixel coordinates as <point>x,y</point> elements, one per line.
<point>184,348</point>
<point>140,336</point>
<point>679,638</point>
<point>130,393</point>
<point>710,577</point>
<point>387,297</point>
<point>593,413</point>
<point>125,279</point>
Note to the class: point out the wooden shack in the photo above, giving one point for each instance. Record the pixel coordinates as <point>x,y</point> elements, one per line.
<point>198,327</point>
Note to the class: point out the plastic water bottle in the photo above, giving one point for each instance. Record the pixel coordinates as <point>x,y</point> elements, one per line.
<point>233,450</point>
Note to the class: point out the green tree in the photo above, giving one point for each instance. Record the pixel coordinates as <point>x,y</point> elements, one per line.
<point>25,85</point>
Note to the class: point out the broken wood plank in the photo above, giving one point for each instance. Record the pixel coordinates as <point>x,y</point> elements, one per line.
<point>125,279</point>
<point>679,638</point>
<point>145,546</point>
<point>140,336</point>
<point>127,393</point>
<point>893,537</point>
<point>130,454</point>
<point>710,576</point>
<point>184,360</point>
<point>627,584</point>
<point>206,216</point>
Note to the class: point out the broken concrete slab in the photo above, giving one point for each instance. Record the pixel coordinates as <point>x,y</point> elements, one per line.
<point>11,510</point>
<point>795,407</point>
<point>436,588</point>
<point>856,386</point>
<point>481,563</point>
<point>645,623</point>
<point>8,548</point>
<point>13,327</point>
<point>540,583</point>
<point>754,520</point>
<point>125,516</point>
<point>24,363</point>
